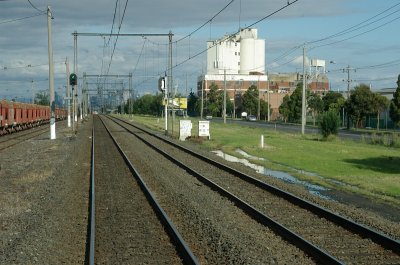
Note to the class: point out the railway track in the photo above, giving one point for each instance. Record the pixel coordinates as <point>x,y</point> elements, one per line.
<point>327,237</point>
<point>127,225</point>
<point>10,140</point>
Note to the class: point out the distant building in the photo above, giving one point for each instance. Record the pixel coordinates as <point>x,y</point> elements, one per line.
<point>242,53</point>
<point>241,58</point>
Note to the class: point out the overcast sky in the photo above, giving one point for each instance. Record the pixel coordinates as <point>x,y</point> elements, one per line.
<point>371,44</point>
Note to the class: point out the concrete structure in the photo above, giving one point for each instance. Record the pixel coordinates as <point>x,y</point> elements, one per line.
<point>242,58</point>
<point>242,54</point>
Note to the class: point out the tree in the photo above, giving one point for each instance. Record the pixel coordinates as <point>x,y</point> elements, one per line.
<point>360,103</point>
<point>148,104</point>
<point>264,109</point>
<point>379,104</point>
<point>42,99</point>
<point>214,101</point>
<point>192,107</point>
<point>295,104</point>
<point>333,100</point>
<point>315,104</point>
<point>394,110</point>
<point>250,100</point>
<point>329,123</point>
<point>284,108</point>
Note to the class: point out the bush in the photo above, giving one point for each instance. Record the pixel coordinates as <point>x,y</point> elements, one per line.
<point>329,123</point>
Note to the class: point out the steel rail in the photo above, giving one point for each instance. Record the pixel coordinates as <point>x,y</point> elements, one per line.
<point>378,237</point>
<point>182,247</point>
<point>92,218</point>
<point>30,135</point>
<point>293,238</point>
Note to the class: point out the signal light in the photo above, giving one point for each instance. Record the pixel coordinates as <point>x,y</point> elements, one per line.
<point>73,79</point>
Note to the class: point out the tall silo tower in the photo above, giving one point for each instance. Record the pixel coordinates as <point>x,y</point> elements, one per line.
<point>252,52</point>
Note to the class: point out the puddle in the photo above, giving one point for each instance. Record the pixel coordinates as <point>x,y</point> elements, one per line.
<point>312,188</point>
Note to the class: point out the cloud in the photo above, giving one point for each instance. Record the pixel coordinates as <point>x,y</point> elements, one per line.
<point>25,41</point>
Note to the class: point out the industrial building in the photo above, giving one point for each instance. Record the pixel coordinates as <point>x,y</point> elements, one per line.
<point>239,60</point>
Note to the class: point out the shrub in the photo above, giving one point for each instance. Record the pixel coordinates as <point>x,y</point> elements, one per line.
<point>329,123</point>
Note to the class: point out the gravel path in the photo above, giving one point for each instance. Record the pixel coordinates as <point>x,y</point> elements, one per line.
<point>43,199</point>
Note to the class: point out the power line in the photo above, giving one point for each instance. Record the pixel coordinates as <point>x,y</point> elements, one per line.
<point>36,7</point>
<point>22,18</point>
<point>205,23</point>
<point>230,36</point>
<point>343,32</point>
<point>381,65</point>
<point>112,26</point>
<point>140,55</point>
<point>357,35</point>
<point>116,40</point>
<point>358,25</point>
<point>5,68</point>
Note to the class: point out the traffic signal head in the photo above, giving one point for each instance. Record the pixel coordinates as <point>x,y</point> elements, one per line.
<point>73,79</point>
<point>162,83</point>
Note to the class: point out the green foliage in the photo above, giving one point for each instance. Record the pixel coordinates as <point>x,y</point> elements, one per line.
<point>291,105</point>
<point>360,104</point>
<point>284,108</point>
<point>148,104</point>
<point>193,106</point>
<point>295,104</point>
<point>394,110</point>
<point>250,100</point>
<point>315,104</point>
<point>379,104</point>
<point>42,99</point>
<point>214,101</point>
<point>333,100</point>
<point>329,123</point>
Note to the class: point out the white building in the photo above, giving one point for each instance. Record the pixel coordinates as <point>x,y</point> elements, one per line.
<point>242,54</point>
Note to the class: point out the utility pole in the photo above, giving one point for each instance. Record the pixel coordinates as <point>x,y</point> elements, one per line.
<point>258,103</point>
<point>303,101</point>
<point>130,94</point>
<point>202,99</point>
<point>268,109</point>
<point>170,83</point>
<point>348,69</point>
<point>33,95</point>
<point>51,77</point>
<point>224,111</point>
<point>68,93</point>
<point>74,88</point>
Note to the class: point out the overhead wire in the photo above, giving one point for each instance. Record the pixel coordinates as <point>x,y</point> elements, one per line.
<point>22,18</point>
<point>354,36</point>
<point>44,11</point>
<point>358,25</point>
<point>199,27</point>
<point>116,40</point>
<point>348,30</point>
<point>230,36</point>
<point>112,26</point>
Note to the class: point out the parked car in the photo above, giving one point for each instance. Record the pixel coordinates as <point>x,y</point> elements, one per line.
<point>208,117</point>
<point>251,118</point>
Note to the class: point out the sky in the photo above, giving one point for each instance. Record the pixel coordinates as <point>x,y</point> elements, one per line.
<point>361,35</point>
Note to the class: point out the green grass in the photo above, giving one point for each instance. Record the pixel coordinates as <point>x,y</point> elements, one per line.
<point>371,170</point>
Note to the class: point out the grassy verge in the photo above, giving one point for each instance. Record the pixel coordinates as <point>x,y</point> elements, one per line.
<point>372,170</point>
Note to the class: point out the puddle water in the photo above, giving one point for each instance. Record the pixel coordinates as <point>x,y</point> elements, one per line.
<point>312,188</point>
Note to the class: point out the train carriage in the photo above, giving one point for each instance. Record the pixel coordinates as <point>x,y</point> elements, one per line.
<point>15,116</point>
